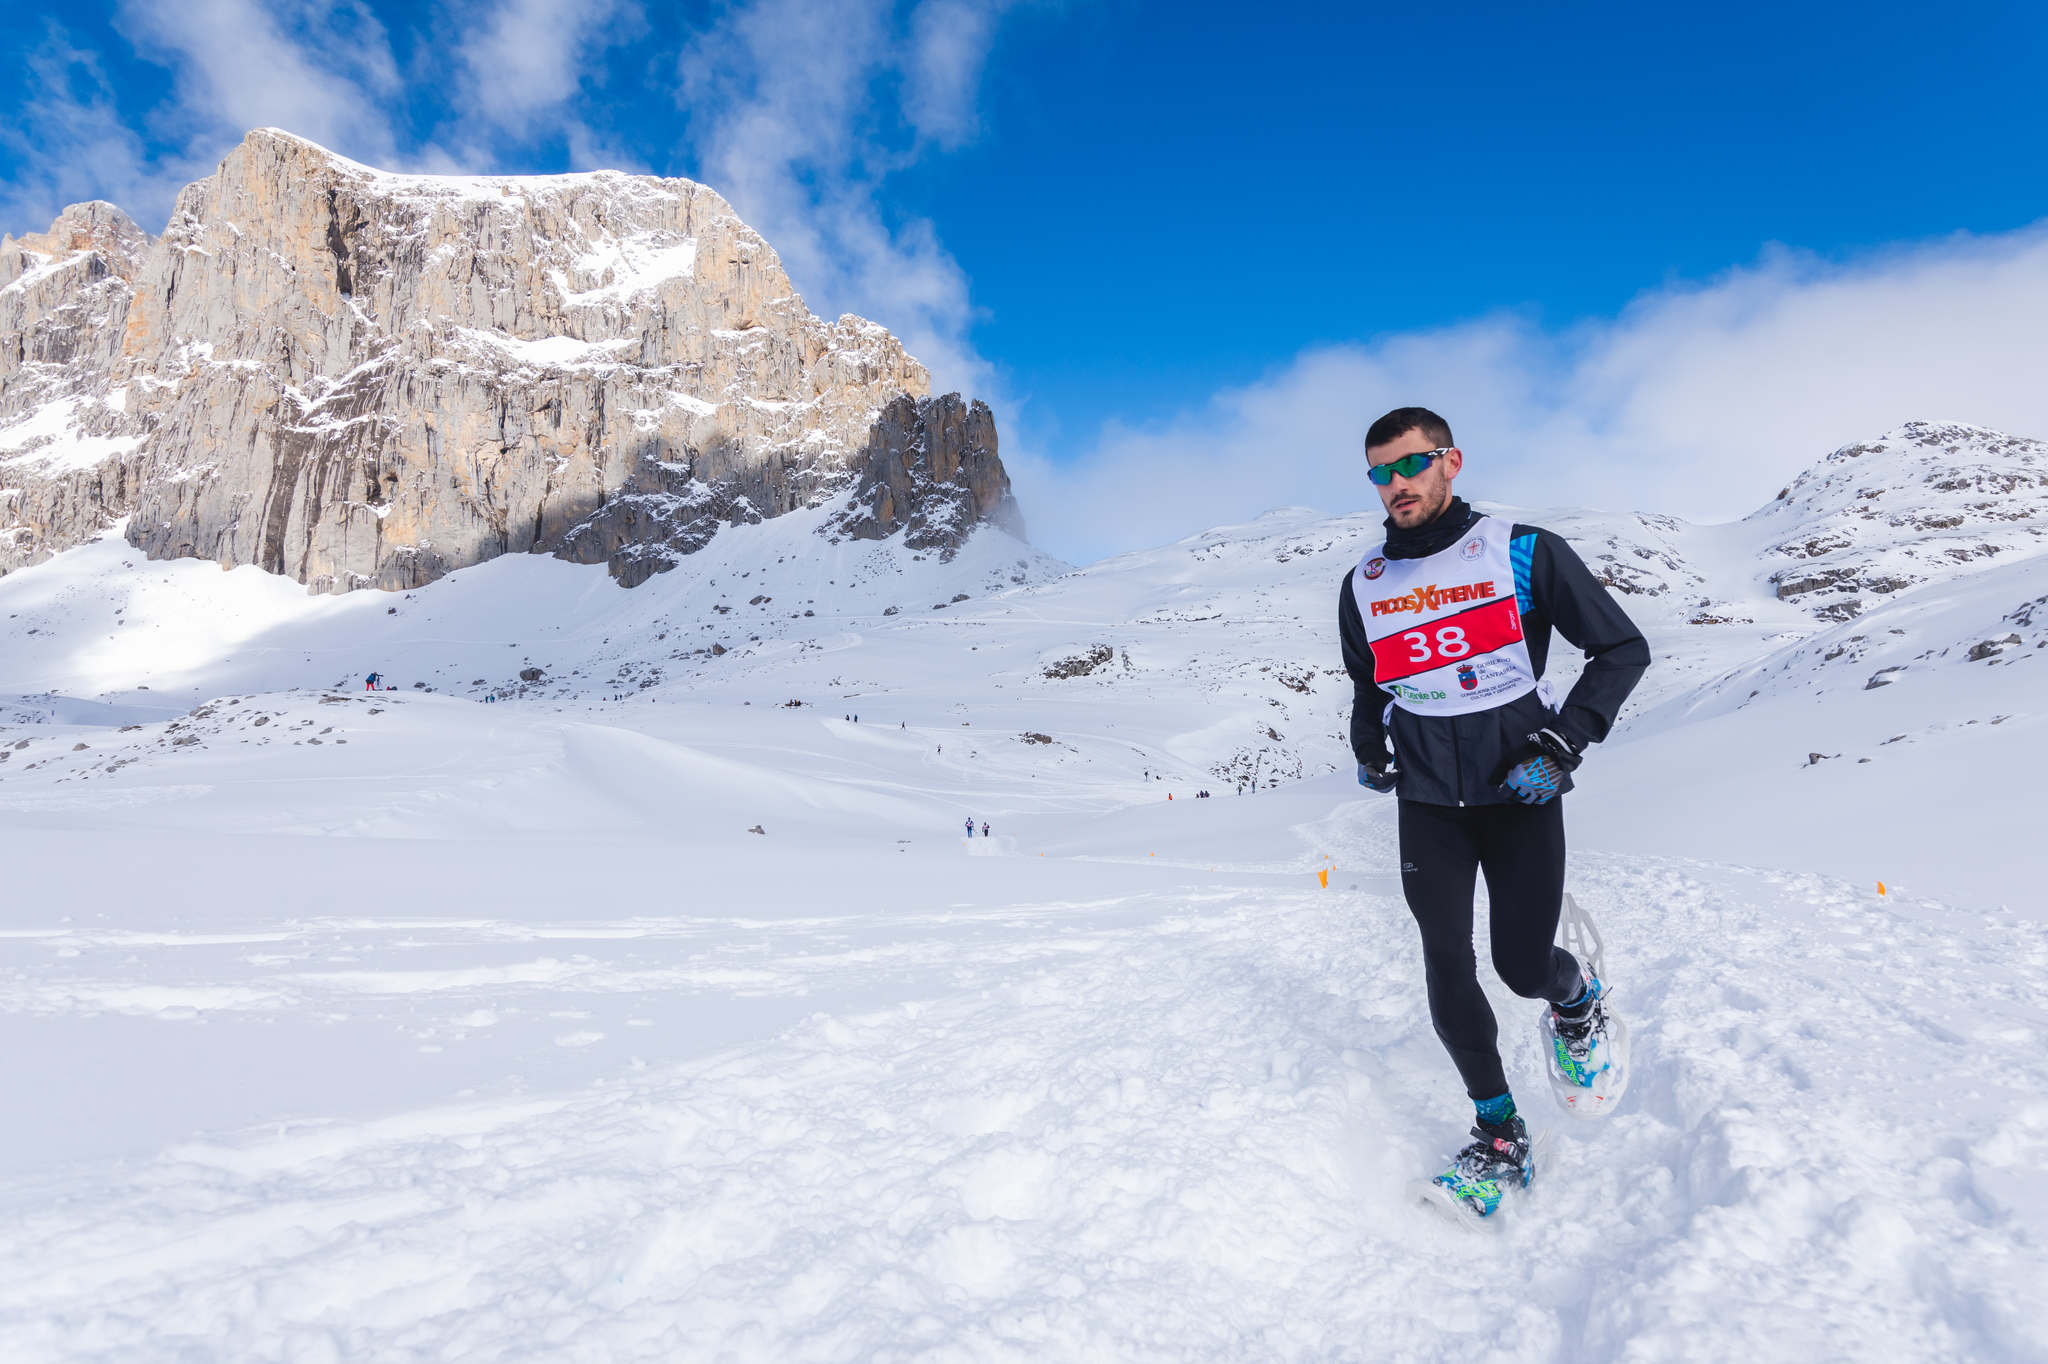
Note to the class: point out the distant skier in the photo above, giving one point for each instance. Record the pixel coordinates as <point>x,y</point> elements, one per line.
<point>970,826</point>
<point>984,828</point>
<point>1446,628</point>
<point>370,682</point>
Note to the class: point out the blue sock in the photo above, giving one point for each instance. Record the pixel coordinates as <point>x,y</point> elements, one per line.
<point>1497,1110</point>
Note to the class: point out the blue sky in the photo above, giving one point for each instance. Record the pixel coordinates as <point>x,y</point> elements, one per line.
<point>1190,250</point>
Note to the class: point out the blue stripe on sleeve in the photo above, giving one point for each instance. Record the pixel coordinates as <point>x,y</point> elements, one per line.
<point>1521,554</point>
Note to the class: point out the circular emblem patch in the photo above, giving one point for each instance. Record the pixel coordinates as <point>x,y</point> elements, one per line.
<point>1473,548</point>
<point>1375,567</point>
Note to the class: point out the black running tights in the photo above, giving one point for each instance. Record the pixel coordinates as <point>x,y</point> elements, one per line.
<point>1521,850</point>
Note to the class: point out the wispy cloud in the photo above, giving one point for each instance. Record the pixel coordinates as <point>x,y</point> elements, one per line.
<point>1699,401</point>
<point>323,71</point>
<point>519,71</point>
<point>525,67</point>
<point>949,47</point>
<point>799,112</point>
<point>72,144</point>
<point>527,56</point>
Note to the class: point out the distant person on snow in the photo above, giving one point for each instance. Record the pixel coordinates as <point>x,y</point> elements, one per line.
<point>970,826</point>
<point>984,828</point>
<point>1446,627</point>
<point>370,682</point>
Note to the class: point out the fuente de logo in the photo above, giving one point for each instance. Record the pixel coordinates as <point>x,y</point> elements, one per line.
<point>1431,597</point>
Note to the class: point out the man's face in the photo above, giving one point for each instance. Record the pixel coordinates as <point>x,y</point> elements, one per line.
<point>1411,502</point>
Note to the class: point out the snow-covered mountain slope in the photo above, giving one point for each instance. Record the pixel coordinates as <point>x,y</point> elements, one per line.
<point>1926,503</point>
<point>412,1025</point>
<point>1902,746</point>
<point>105,620</point>
<point>1209,663</point>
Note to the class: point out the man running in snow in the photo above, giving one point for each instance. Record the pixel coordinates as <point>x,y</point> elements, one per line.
<point>1446,629</point>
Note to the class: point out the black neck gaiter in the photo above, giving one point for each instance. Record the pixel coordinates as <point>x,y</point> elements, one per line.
<point>1431,536</point>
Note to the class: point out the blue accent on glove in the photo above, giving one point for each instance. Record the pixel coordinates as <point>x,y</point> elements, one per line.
<point>1381,779</point>
<point>1534,781</point>
<point>1536,772</point>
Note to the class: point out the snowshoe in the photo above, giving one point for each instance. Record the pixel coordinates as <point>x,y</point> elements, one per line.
<point>1586,1058</point>
<point>1500,1158</point>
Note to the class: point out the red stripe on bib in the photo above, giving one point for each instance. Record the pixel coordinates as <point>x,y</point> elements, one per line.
<point>1446,641</point>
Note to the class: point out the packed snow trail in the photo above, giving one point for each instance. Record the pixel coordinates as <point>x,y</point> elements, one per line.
<point>1193,1134</point>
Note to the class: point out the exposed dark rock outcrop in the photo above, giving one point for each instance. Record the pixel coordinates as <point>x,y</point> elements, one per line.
<point>931,471</point>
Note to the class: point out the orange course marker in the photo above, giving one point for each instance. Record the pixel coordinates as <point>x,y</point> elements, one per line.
<point>1880,888</point>
<point>1324,877</point>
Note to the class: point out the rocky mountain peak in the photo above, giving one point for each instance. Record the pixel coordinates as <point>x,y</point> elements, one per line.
<point>95,228</point>
<point>358,378</point>
<point>1918,504</point>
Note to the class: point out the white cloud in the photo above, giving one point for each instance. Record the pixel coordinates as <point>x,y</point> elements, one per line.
<point>949,46</point>
<point>73,145</point>
<point>789,114</point>
<point>522,60</point>
<point>323,71</point>
<point>1699,401</point>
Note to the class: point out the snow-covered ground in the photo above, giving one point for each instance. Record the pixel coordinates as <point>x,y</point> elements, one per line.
<point>411,1025</point>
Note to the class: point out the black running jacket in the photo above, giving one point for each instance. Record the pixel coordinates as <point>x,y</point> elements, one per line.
<point>1459,760</point>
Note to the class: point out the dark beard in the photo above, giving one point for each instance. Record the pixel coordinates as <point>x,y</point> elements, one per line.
<point>1421,541</point>
<point>1429,511</point>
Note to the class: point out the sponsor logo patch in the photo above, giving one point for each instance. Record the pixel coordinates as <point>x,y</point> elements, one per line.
<point>1431,597</point>
<point>1467,677</point>
<point>1375,566</point>
<point>1408,693</point>
<point>1473,548</point>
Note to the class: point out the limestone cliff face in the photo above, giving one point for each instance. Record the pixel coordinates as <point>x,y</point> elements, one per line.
<point>68,451</point>
<point>356,378</point>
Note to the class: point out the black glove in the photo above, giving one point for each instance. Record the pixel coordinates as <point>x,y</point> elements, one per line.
<point>1533,772</point>
<point>1378,773</point>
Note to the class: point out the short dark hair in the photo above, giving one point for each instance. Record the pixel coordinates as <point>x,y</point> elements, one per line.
<point>1402,420</point>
